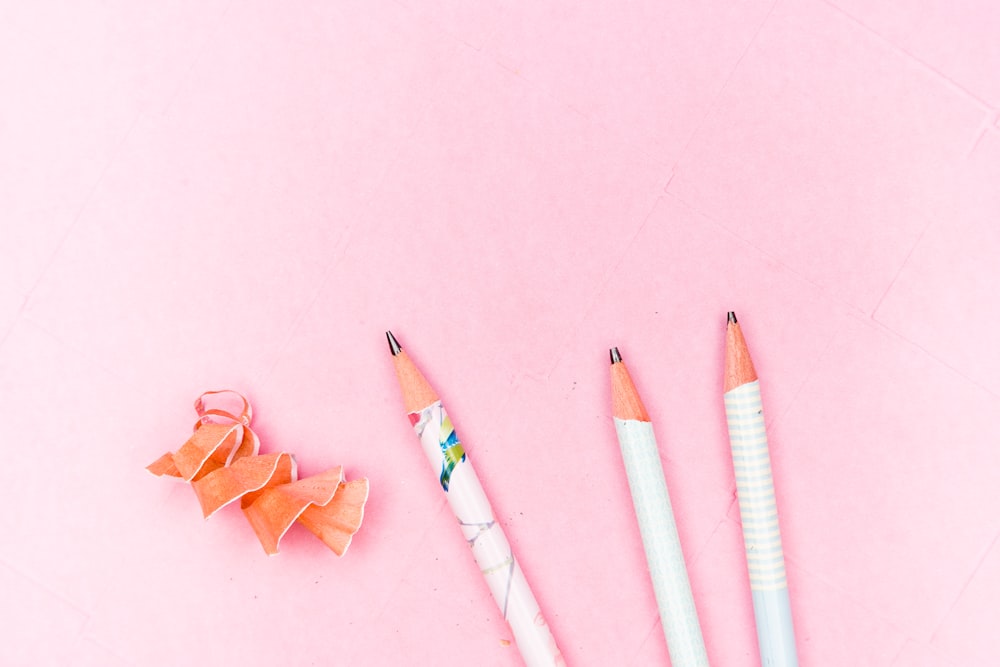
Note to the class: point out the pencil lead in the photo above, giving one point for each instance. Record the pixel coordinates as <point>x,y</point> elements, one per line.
<point>616,356</point>
<point>393,344</point>
<point>730,317</point>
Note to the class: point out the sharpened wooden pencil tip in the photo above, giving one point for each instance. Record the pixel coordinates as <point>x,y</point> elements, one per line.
<point>739,367</point>
<point>393,343</point>
<point>625,401</point>
<point>730,317</point>
<point>616,356</point>
<point>417,391</point>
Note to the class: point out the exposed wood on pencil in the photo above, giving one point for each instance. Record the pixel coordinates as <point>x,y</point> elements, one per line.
<point>417,391</point>
<point>625,401</point>
<point>739,367</point>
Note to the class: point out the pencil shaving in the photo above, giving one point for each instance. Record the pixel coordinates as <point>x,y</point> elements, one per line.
<point>221,461</point>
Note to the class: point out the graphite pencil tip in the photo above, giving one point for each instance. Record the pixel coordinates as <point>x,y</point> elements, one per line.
<point>730,317</point>
<point>616,356</point>
<point>393,343</point>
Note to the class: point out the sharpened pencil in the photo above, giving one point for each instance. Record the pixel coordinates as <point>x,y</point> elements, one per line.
<point>653,510</point>
<point>758,509</point>
<point>490,548</point>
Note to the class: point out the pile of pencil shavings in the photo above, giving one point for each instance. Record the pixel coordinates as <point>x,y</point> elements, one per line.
<point>222,463</point>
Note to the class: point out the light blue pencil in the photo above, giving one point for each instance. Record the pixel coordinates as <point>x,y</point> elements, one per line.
<point>651,501</point>
<point>758,509</point>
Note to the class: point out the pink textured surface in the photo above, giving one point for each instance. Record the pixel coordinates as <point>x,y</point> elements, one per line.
<point>211,194</point>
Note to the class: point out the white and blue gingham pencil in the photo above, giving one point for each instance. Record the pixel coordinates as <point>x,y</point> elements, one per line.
<point>758,508</point>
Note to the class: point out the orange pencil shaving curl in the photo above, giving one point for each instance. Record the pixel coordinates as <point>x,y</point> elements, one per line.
<point>222,463</point>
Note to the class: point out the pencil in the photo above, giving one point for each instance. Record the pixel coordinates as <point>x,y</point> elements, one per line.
<point>651,500</point>
<point>490,548</point>
<point>758,509</point>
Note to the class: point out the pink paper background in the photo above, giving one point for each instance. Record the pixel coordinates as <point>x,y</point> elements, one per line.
<point>199,195</point>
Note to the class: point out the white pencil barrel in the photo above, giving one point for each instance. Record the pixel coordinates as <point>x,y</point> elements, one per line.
<point>653,510</point>
<point>490,547</point>
<point>759,516</point>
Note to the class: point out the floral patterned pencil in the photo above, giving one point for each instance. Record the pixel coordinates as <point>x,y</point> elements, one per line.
<point>468,501</point>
